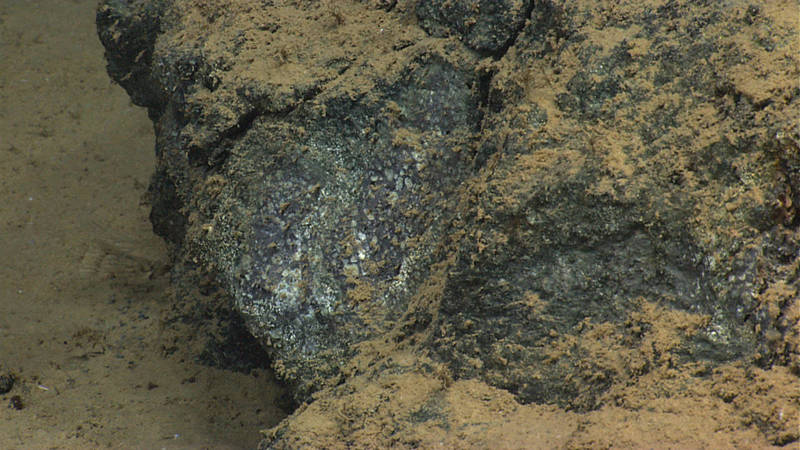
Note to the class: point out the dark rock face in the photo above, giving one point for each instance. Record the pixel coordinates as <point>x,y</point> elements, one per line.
<point>600,180</point>
<point>334,210</point>
<point>313,204</point>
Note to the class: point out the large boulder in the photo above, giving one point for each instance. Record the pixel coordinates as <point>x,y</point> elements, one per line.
<point>555,198</point>
<point>310,176</point>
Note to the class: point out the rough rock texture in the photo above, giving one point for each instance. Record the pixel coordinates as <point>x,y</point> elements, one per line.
<point>313,184</point>
<point>557,198</point>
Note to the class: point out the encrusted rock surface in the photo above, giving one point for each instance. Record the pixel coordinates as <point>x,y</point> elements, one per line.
<point>554,198</point>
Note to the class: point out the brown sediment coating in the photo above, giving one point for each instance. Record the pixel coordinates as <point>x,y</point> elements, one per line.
<point>671,140</point>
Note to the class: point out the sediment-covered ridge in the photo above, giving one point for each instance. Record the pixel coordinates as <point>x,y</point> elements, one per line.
<point>558,199</point>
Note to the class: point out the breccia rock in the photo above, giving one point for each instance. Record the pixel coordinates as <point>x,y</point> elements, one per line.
<point>518,192</point>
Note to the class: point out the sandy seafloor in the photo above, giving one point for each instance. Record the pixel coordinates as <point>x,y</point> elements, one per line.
<point>81,294</point>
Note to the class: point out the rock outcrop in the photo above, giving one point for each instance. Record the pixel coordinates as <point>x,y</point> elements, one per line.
<point>554,198</point>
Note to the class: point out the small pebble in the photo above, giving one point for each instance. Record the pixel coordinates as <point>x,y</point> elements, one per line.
<point>6,383</point>
<point>16,402</point>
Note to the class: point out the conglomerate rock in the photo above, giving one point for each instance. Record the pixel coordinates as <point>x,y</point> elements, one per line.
<point>553,197</point>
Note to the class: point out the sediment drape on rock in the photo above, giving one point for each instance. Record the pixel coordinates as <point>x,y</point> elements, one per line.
<point>555,198</point>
